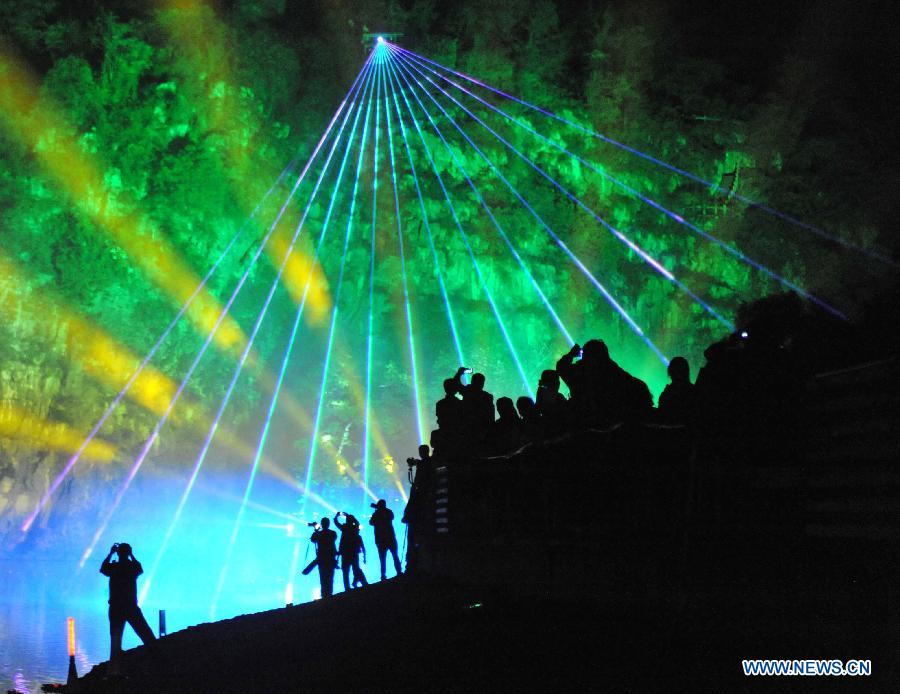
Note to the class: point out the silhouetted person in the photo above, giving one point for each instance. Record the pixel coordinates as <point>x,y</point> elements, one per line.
<point>448,410</point>
<point>424,465</point>
<point>508,434</point>
<point>326,556</point>
<point>350,546</point>
<point>123,605</point>
<point>385,539</point>
<point>477,405</point>
<point>551,404</point>
<point>449,414</point>
<point>415,515</point>
<point>532,426</point>
<point>602,391</point>
<point>677,401</point>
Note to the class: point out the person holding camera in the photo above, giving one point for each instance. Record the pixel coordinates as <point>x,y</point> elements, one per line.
<point>416,513</point>
<point>385,539</point>
<point>324,540</point>
<point>123,605</point>
<point>350,547</point>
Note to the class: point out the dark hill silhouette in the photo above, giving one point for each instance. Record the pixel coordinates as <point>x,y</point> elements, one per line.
<point>637,556</point>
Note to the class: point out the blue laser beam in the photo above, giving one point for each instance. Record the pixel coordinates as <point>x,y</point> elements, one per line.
<point>674,169</point>
<point>437,266</point>
<point>236,528</point>
<point>198,463</point>
<point>367,437</point>
<point>581,266</point>
<point>416,391</point>
<point>497,225</point>
<point>646,257</point>
<point>204,347</point>
<point>657,206</point>
<point>335,310</point>
<point>484,285</point>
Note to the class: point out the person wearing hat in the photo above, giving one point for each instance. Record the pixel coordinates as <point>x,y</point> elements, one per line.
<point>385,539</point>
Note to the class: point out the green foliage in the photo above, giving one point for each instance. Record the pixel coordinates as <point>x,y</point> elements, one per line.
<point>191,118</point>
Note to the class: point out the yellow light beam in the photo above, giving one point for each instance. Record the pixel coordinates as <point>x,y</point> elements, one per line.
<point>41,434</point>
<point>400,488</point>
<point>103,358</point>
<point>36,122</point>
<point>346,469</point>
<point>194,27</point>
<point>204,51</point>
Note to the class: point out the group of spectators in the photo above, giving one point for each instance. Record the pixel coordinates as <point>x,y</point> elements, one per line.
<point>601,393</point>
<point>348,550</point>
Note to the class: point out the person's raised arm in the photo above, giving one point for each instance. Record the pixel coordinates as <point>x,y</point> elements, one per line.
<point>337,521</point>
<point>136,567</point>
<point>460,386</point>
<point>565,363</point>
<point>106,566</point>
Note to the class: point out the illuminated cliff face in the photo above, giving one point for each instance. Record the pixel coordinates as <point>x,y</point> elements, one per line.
<point>438,223</point>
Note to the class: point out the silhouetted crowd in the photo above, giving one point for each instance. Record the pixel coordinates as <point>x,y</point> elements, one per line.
<point>746,404</point>
<point>332,553</point>
<point>601,394</point>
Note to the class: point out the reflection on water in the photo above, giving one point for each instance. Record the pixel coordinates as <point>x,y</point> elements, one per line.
<point>41,585</point>
<point>33,643</point>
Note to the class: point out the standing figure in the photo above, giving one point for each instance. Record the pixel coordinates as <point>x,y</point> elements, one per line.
<point>416,514</point>
<point>326,556</point>
<point>385,539</point>
<point>676,402</point>
<point>508,432</point>
<point>448,412</point>
<point>477,405</point>
<point>350,547</point>
<point>123,606</point>
<point>551,404</point>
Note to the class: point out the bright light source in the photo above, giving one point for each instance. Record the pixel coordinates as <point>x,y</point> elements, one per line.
<point>71,635</point>
<point>380,39</point>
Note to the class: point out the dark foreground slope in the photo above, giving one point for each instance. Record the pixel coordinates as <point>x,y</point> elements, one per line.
<point>646,564</point>
<point>399,637</point>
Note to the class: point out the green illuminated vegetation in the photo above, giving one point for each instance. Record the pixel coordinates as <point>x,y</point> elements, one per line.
<point>154,133</point>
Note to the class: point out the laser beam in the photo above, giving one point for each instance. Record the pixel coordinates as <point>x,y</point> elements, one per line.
<point>599,285</point>
<point>646,257</point>
<point>410,340</point>
<point>645,199</point>
<point>484,285</point>
<point>155,433</point>
<point>674,169</point>
<point>518,258</point>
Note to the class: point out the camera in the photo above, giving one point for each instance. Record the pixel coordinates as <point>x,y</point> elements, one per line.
<point>314,524</point>
<point>374,505</point>
<point>411,462</point>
